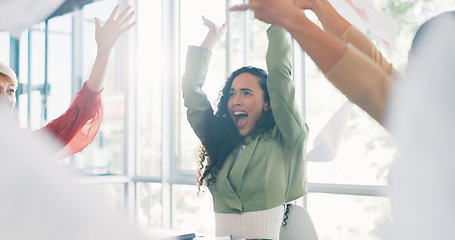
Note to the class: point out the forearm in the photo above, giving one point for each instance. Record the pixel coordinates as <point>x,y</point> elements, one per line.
<point>98,74</point>
<point>195,100</point>
<point>335,24</point>
<point>331,20</point>
<point>324,49</point>
<point>362,81</point>
<point>281,88</point>
<point>360,41</point>
<point>353,73</point>
<point>279,50</point>
<point>209,41</point>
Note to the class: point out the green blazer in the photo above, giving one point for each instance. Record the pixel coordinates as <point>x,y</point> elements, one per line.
<point>270,170</point>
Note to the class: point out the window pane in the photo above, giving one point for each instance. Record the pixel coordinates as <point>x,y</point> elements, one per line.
<point>258,43</point>
<point>365,153</point>
<point>348,217</point>
<point>238,55</point>
<point>193,32</point>
<point>192,212</point>
<point>36,76</point>
<point>113,195</point>
<point>61,24</point>
<point>22,101</point>
<point>59,68</point>
<point>149,208</point>
<point>4,47</point>
<point>149,87</point>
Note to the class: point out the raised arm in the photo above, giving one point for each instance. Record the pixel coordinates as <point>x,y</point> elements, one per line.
<point>78,126</point>
<point>199,109</point>
<point>330,19</point>
<point>355,74</point>
<point>281,88</point>
<point>339,27</point>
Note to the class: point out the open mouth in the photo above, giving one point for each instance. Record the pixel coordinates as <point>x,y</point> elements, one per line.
<point>240,119</point>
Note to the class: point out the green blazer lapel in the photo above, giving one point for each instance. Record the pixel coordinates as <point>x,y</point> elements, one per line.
<point>238,170</point>
<point>225,187</point>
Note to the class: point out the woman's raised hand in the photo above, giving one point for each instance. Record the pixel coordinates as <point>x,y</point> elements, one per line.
<point>214,35</point>
<point>107,35</point>
<point>275,12</point>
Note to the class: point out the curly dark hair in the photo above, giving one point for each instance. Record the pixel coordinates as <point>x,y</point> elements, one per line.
<point>224,136</point>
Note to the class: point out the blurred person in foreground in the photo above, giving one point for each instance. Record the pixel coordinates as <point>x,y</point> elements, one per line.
<point>41,200</point>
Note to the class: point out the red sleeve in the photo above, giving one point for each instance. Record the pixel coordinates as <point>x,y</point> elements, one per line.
<point>78,126</point>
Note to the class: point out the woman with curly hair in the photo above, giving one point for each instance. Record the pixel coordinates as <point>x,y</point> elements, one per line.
<point>253,144</point>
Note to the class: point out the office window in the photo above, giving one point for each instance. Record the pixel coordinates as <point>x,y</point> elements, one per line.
<point>149,207</point>
<point>192,211</point>
<point>59,66</point>
<point>366,152</point>
<point>339,216</point>
<point>4,47</point>
<point>149,87</point>
<point>34,74</point>
<point>113,194</point>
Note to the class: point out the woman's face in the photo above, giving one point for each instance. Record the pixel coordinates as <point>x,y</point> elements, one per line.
<point>246,102</point>
<point>7,93</point>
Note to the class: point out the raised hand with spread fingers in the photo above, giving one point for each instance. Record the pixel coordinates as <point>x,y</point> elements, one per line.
<point>214,35</point>
<point>106,36</point>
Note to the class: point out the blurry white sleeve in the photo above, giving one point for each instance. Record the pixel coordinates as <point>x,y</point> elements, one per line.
<point>40,200</point>
<point>328,140</point>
